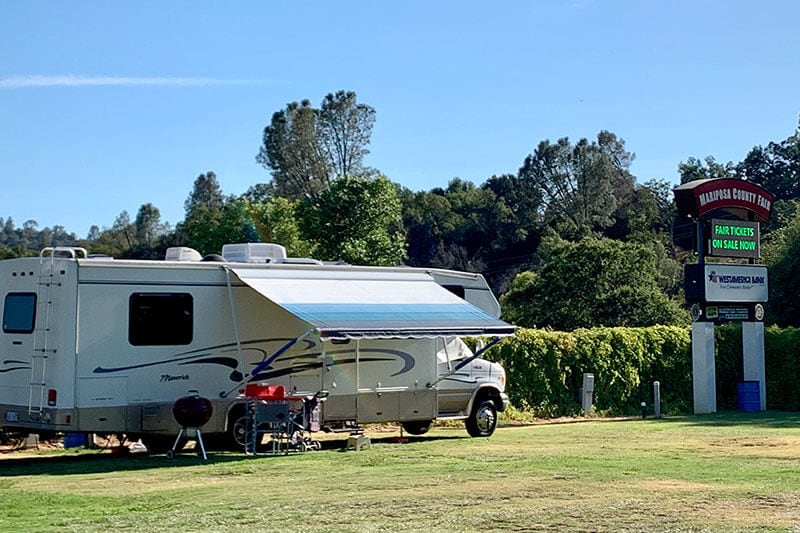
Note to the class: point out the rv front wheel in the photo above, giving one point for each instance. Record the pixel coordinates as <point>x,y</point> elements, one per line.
<point>483,420</point>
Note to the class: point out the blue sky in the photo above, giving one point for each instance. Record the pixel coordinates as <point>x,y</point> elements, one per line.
<point>108,105</point>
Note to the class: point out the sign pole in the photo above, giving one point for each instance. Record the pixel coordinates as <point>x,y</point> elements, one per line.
<point>704,374</point>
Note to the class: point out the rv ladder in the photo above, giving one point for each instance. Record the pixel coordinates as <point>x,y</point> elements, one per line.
<point>42,339</point>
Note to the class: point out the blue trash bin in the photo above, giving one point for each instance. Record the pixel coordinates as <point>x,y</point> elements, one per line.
<point>748,396</point>
<point>74,440</point>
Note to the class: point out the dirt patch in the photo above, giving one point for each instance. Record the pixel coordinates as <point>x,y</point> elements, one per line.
<point>674,484</point>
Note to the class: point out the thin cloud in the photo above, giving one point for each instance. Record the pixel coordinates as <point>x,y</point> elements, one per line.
<point>69,80</point>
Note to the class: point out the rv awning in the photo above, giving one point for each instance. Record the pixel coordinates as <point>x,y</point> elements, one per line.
<point>345,304</point>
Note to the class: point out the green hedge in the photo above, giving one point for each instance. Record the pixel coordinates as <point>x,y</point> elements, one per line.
<point>545,368</point>
<point>782,353</point>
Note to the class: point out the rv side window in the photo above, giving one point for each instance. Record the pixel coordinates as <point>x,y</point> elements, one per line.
<point>160,319</point>
<point>19,312</point>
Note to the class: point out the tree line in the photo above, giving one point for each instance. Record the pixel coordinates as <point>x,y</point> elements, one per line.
<point>571,240</point>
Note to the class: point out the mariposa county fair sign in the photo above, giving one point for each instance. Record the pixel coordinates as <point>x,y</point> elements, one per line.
<point>705,198</point>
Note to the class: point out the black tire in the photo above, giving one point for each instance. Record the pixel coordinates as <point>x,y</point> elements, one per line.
<point>483,419</point>
<point>237,434</point>
<point>417,427</point>
<point>232,440</point>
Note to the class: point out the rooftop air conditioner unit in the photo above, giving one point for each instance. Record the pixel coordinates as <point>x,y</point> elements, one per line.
<point>182,253</point>
<point>253,252</point>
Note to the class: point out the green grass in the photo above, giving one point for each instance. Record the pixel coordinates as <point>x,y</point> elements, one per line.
<point>727,472</point>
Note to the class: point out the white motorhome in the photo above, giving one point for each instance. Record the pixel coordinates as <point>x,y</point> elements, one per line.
<point>94,344</point>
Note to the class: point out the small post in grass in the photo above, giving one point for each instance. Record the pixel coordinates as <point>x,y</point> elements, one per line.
<point>657,399</point>
<point>587,392</point>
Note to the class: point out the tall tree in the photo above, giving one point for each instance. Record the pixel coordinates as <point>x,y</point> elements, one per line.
<point>292,151</point>
<point>124,229</point>
<point>345,129</point>
<point>305,148</point>
<point>695,169</point>
<point>205,192</point>
<point>204,214</point>
<point>118,241</point>
<point>94,233</point>
<point>775,167</point>
<point>357,220</point>
<point>581,186</point>
<point>148,224</point>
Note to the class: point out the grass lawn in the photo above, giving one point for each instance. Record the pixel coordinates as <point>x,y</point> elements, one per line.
<point>725,472</point>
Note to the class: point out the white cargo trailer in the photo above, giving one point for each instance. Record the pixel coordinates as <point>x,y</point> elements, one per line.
<point>94,344</point>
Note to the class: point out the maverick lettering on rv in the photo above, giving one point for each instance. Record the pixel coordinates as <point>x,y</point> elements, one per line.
<point>169,377</point>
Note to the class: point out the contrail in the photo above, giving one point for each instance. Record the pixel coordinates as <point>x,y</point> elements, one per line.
<point>69,80</point>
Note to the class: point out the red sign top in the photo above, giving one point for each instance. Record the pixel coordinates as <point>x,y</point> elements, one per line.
<point>700,198</point>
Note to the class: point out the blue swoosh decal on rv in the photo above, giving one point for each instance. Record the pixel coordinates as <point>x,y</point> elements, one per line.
<point>20,365</point>
<point>407,358</point>
<point>202,357</point>
<point>455,378</point>
<point>184,357</point>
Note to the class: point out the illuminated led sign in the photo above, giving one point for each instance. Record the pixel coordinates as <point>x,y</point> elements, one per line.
<point>734,238</point>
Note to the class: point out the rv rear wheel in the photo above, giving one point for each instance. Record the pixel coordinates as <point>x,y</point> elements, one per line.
<point>417,427</point>
<point>236,432</point>
<point>483,420</point>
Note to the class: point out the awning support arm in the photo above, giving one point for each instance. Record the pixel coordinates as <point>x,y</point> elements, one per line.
<point>466,361</point>
<point>233,318</point>
<point>268,361</point>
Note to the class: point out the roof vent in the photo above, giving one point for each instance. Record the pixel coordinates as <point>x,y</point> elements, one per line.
<point>254,252</point>
<point>182,253</point>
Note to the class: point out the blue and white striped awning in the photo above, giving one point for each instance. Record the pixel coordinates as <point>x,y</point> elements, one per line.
<point>355,302</point>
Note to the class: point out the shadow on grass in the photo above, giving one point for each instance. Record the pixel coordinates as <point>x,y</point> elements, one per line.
<point>66,463</point>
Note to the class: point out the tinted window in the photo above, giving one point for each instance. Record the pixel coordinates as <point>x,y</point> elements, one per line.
<point>19,312</point>
<point>458,290</point>
<point>160,319</point>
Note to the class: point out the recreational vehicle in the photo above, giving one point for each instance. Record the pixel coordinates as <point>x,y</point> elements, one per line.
<point>96,344</point>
